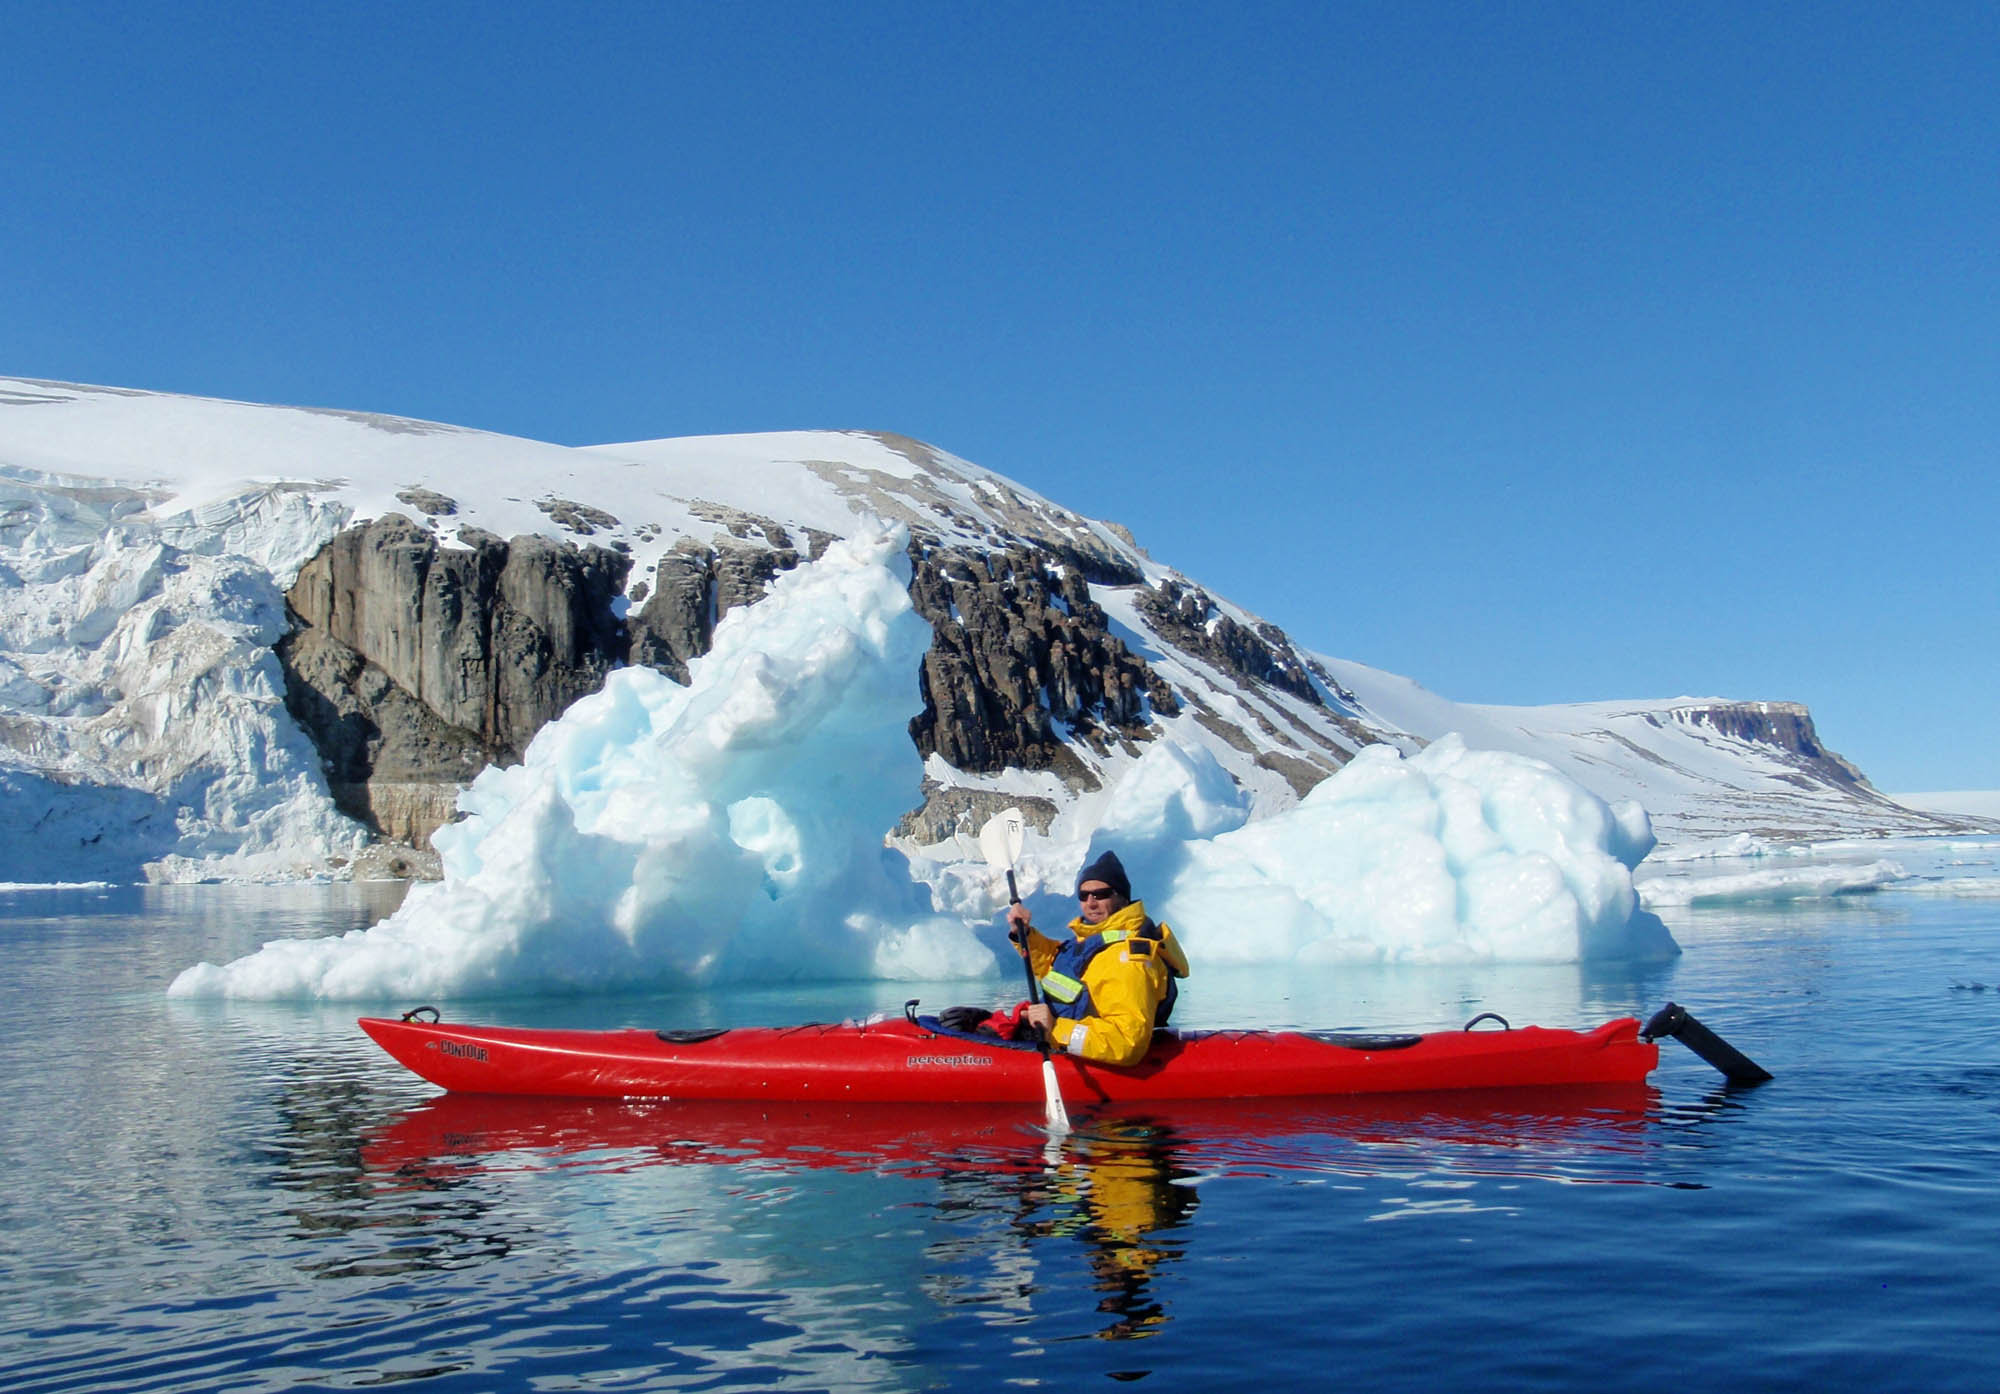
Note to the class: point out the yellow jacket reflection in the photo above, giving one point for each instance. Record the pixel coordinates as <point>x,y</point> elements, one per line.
<point>1121,1197</point>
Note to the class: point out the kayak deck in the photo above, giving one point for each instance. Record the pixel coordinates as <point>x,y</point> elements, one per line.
<point>900,1061</point>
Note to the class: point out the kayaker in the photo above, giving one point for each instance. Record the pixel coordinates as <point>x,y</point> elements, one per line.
<point>1113,982</point>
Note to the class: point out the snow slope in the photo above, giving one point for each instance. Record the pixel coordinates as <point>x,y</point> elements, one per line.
<point>146,541</point>
<point>1700,783</point>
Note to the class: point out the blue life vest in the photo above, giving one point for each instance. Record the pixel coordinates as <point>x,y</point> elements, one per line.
<point>1062,985</point>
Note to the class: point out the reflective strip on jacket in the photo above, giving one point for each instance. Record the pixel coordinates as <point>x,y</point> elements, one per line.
<point>1110,1017</point>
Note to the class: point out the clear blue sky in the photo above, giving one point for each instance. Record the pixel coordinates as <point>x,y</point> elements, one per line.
<point>1539,352</point>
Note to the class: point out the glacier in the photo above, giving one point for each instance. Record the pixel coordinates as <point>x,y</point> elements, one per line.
<point>145,718</point>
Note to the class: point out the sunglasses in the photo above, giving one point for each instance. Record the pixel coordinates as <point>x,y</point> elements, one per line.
<point>1104,894</point>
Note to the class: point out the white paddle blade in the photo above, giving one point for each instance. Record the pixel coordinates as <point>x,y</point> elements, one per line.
<point>1058,1116</point>
<point>1001,839</point>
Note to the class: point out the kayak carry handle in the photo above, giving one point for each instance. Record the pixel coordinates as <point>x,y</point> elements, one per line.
<point>1505,1025</point>
<point>417,1014</point>
<point>1674,1020</point>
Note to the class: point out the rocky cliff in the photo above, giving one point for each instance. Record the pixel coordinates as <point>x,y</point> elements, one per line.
<point>415,660</point>
<point>412,665</point>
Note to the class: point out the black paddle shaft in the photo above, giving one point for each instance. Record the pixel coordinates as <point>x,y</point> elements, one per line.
<point>1034,988</point>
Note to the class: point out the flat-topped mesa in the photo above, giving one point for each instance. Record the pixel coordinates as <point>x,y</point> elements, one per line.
<point>1786,725</point>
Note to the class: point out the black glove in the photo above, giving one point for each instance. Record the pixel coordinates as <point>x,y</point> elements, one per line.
<point>965,1018</point>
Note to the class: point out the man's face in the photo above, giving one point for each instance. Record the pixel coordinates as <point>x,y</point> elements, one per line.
<point>1099,901</point>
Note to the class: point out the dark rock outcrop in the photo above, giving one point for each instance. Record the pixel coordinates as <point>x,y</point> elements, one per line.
<point>492,637</point>
<point>947,811</point>
<point>413,664</point>
<point>677,621</point>
<point>428,502</point>
<point>693,587</point>
<point>390,761</point>
<point>1020,657</point>
<point>1186,618</point>
<point>579,518</point>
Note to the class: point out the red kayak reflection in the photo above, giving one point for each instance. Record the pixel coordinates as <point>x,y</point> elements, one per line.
<point>456,1135</point>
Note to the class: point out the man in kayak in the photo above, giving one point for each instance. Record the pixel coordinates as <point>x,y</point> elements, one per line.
<point>1113,982</point>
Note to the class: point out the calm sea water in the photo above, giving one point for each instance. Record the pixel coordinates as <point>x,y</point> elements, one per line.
<point>204,1197</point>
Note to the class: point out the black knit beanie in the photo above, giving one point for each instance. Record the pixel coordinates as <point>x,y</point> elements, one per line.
<point>1110,871</point>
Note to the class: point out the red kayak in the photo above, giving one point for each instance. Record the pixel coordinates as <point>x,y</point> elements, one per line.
<point>917,1061</point>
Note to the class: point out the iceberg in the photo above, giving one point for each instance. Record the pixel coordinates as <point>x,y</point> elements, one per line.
<point>1810,882</point>
<point>659,835</point>
<point>1449,855</point>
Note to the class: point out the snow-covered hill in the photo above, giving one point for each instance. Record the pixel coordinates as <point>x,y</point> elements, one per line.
<point>1956,803</point>
<point>147,542</point>
<point>1706,769</point>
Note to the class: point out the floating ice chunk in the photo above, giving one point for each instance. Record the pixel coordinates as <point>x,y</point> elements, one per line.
<point>935,948</point>
<point>1741,845</point>
<point>1632,840</point>
<point>1778,883</point>
<point>1172,798</point>
<point>1960,887</point>
<point>731,830</point>
<point>1448,855</point>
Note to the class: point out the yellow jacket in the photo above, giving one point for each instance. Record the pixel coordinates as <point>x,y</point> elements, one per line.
<point>1127,982</point>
